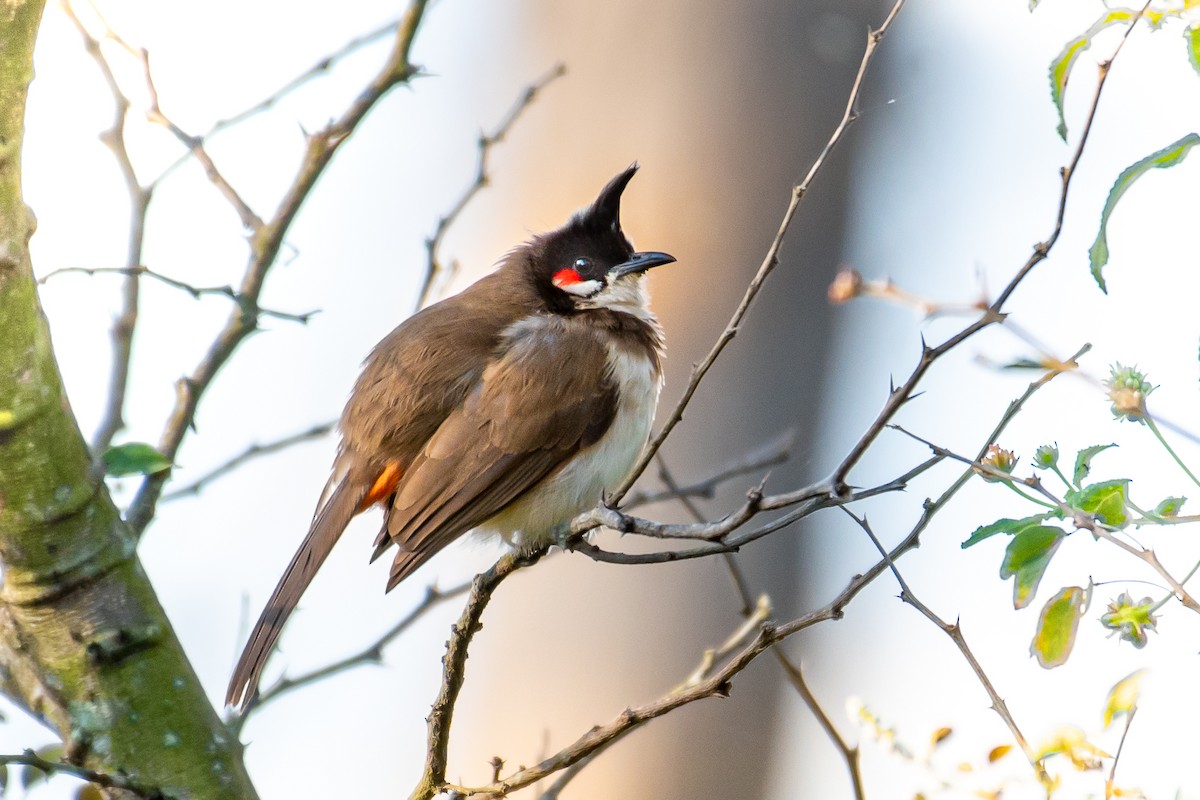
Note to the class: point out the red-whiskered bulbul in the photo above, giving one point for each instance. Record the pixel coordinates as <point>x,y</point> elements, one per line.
<point>508,408</point>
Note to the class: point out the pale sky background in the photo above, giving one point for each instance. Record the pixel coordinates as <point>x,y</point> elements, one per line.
<point>956,178</point>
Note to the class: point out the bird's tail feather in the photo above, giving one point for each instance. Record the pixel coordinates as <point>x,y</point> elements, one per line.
<point>342,504</point>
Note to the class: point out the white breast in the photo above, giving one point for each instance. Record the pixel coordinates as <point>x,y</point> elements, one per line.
<point>600,467</point>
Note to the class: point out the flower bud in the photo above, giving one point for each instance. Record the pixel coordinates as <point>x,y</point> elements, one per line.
<point>1127,389</point>
<point>846,286</point>
<point>1046,457</point>
<point>1000,460</point>
<point>1129,620</point>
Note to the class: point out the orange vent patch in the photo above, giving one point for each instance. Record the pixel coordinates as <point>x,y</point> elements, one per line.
<point>383,487</point>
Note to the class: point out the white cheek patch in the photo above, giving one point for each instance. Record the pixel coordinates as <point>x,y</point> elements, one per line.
<point>580,288</point>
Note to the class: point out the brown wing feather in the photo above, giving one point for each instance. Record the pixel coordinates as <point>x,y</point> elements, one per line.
<point>548,396</point>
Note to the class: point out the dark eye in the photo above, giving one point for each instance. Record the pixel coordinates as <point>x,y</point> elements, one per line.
<point>583,264</point>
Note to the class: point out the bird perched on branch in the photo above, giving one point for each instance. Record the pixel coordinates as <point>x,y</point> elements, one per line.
<point>508,408</point>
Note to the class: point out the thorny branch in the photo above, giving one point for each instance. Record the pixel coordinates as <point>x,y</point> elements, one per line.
<point>435,268</point>
<point>994,312</point>
<point>874,37</point>
<point>793,672</point>
<point>954,631</point>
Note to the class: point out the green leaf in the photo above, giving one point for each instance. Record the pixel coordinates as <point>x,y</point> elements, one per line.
<point>1169,156</point>
<point>1055,634</point>
<point>1169,507</point>
<point>1191,35</point>
<point>1083,461</point>
<point>134,458</point>
<point>1107,500</point>
<point>1026,559</point>
<point>1005,525</point>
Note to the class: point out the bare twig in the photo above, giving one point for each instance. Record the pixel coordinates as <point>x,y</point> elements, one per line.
<point>874,37</point>
<point>195,291</point>
<point>1110,784</point>
<point>434,268</point>
<point>848,752</point>
<point>454,666</point>
<point>723,535</point>
<point>769,454</point>
<point>265,246</point>
<point>249,454</point>
<point>954,631</point>
<point>792,671</point>
<point>323,65</point>
<point>112,419</point>
<point>195,145</point>
<point>629,720</point>
<point>371,654</point>
<point>102,779</point>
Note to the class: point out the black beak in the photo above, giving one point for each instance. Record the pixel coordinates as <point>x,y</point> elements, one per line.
<point>640,262</point>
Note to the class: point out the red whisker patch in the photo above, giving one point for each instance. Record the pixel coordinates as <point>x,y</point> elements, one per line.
<point>566,277</point>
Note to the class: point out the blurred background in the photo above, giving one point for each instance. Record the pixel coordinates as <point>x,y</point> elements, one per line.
<point>944,184</point>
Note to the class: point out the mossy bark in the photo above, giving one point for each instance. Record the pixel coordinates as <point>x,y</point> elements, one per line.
<point>84,644</point>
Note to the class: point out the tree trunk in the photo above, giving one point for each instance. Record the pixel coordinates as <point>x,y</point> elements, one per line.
<point>84,645</point>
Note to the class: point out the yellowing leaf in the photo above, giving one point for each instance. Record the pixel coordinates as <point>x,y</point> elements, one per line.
<point>1055,635</point>
<point>997,753</point>
<point>1072,742</point>
<point>1026,559</point>
<point>1123,696</point>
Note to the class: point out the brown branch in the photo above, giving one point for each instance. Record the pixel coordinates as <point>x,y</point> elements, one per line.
<point>954,631</point>
<point>770,261</point>
<point>371,654</point>
<point>1110,784</point>
<point>434,268</point>
<point>994,313</point>
<point>629,720</point>
<point>717,684</point>
<point>195,291</point>
<point>793,672</point>
<point>103,779</point>
<point>720,536</point>
<point>112,418</point>
<point>849,753</point>
<point>265,246</point>
<point>454,666</point>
